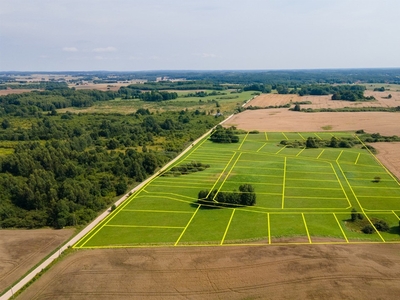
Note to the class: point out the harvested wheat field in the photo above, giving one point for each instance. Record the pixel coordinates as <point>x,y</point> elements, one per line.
<point>14,91</point>
<point>389,155</point>
<point>285,120</point>
<point>20,250</point>
<point>318,102</point>
<point>247,272</point>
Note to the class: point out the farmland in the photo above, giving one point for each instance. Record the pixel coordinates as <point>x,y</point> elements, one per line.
<point>302,193</point>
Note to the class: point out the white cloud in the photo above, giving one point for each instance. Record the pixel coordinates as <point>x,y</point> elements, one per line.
<point>70,49</point>
<point>106,49</point>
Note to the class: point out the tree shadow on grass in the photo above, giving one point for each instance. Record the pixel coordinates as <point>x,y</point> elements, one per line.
<point>394,230</point>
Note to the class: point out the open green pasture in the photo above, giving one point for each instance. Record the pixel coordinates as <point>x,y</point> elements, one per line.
<point>303,196</point>
<point>226,104</point>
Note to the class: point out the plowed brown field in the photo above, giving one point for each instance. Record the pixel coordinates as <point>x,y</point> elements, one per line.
<point>20,250</point>
<point>247,272</point>
<point>284,120</point>
<point>319,102</point>
<point>389,155</point>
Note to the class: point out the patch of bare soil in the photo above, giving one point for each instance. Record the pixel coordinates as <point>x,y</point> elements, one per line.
<point>389,155</point>
<point>20,250</point>
<point>99,86</point>
<point>290,121</point>
<point>318,102</point>
<point>14,91</point>
<point>242,272</point>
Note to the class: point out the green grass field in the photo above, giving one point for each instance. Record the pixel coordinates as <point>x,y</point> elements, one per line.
<point>303,196</point>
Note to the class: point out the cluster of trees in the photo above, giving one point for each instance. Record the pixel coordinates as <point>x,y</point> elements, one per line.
<point>245,197</point>
<point>365,226</point>
<point>224,135</point>
<point>380,89</point>
<point>313,142</point>
<point>202,94</point>
<point>188,168</point>
<point>258,87</point>
<point>157,96</point>
<point>65,168</point>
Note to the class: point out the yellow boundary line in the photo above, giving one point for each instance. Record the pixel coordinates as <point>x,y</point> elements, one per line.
<point>285,136</point>
<point>301,136</point>
<point>395,215</point>
<point>227,227</point>
<point>159,211</point>
<point>227,175</point>
<point>305,225</point>
<point>261,147</point>
<point>340,183</point>
<point>222,173</point>
<point>284,184</point>
<point>317,136</point>
<point>187,225</point>
<point>320,153</point>
<point>145,226</point>
<point>269,230</point>
<point>100,225</point>
<point>300,152</point>
<point>358,157</point>
<point>281,149</point>
<point>361,207</point>
<point>340,154</point>
<point>377,160</point>
<point>266,136</point>
<point>243,141</point>
<point>340,226</point>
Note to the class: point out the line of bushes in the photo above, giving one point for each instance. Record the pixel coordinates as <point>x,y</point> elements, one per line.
<point>188,168</point>
<point>245,197</point>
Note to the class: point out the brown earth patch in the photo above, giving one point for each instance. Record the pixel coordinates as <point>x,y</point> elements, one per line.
<point>389,155</point>
<point>14,91</point>
<point>99,86</point>
<point>318,102</point>
<point>20,250</point>
<point>242,272</point>
<point>282,119</point>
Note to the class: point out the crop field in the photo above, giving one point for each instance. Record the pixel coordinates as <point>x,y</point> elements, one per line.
<point>303,196</point>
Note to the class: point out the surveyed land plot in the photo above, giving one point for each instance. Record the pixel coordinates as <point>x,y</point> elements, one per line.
<point>303,196</point>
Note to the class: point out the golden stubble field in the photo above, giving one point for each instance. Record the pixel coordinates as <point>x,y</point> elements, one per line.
<point>20,250</point>
<point>318,102</point>
<point>241,272</point>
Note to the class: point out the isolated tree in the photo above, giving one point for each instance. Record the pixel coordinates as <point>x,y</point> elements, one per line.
<point>297,107</point>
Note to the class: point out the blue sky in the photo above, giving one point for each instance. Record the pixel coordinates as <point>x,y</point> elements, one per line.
<point>132,35</point>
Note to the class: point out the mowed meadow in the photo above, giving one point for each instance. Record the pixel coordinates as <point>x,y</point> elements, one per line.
<point>303,196</point>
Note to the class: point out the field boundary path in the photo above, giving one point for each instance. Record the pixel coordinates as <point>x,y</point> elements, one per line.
<point>20,284</point>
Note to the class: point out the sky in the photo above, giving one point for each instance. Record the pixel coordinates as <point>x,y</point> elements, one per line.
<point>136,35</point>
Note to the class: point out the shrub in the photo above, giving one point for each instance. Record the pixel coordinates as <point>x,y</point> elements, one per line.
<point>382,225</point>
<point>368,229</point>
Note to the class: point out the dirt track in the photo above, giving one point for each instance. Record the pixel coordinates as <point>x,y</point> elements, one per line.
<point>247,272</point>
<point>22,249</point>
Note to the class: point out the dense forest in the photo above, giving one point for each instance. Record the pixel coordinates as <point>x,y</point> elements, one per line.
<point>65,168</point>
